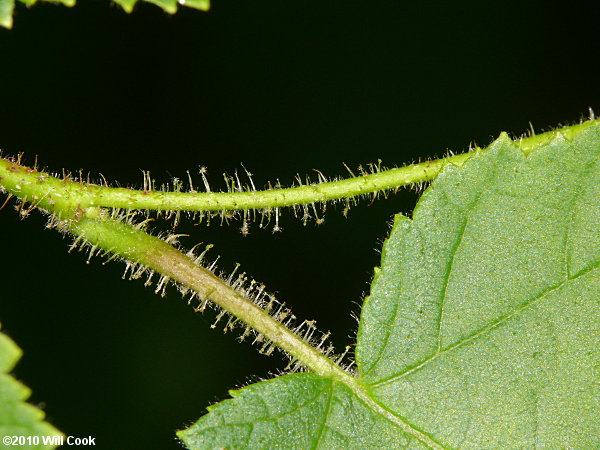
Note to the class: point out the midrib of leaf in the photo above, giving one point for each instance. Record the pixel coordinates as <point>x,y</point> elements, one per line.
<point>485,330</point>
<point>407,427</point>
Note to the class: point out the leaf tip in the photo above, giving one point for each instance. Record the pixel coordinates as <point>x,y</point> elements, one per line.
<point>400,219</point>
<point>504,137</point>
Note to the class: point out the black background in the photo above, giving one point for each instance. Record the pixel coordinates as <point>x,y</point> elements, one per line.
<point>282,87</point>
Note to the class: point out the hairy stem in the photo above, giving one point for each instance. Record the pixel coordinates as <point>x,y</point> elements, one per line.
<point>140,247</point>
<point>61,195</point>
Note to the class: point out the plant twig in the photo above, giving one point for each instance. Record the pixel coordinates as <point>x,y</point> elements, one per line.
<point>60,195</point>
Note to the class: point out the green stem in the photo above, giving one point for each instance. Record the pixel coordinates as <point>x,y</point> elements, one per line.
<point>62,195</point>
<point>155,254</point>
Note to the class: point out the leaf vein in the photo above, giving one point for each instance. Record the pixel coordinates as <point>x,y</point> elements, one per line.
<point>484,331</point>
<point>326,415</point>
<point>449,269</point>
<point>576,197</point>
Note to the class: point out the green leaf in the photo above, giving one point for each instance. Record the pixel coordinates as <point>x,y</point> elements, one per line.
<point>18,418</point>
<point>481,329</point>
<point>300,411</point>
<point>170,6</point>
<point>6,13</point>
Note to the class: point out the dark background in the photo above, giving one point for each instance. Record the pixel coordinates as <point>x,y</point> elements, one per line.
<point>282,87</point>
